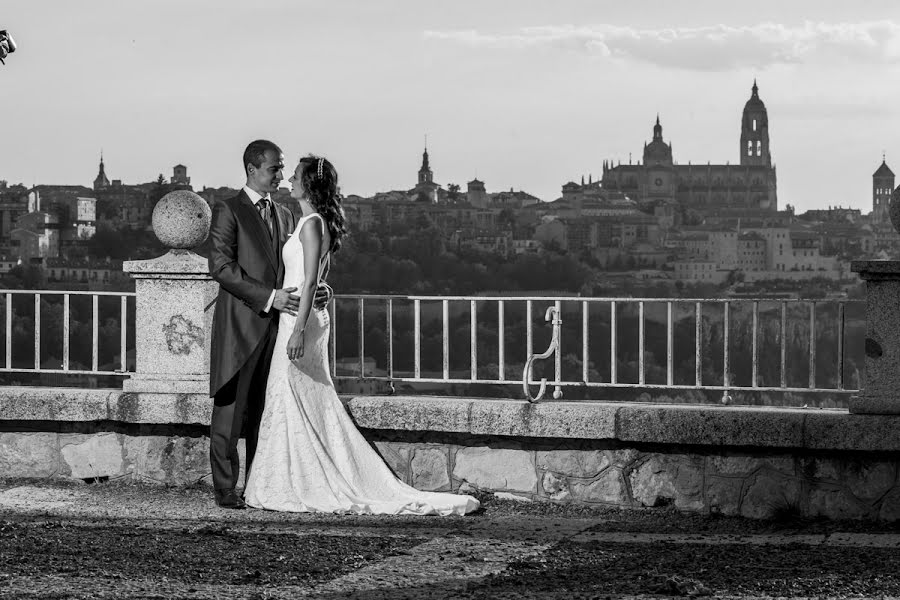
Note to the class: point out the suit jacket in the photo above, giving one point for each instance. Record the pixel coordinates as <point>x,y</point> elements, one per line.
<point>247,263</point>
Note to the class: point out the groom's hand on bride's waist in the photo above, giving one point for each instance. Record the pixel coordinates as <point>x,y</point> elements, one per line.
<point>286,301</point>
<point>324,294</point>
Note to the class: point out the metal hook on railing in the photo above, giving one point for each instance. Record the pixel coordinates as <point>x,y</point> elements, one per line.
<point>553,316</point>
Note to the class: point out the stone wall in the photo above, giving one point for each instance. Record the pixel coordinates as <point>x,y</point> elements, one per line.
<point>96,451</point>
<point>583,472</point>
<point>728,460</point>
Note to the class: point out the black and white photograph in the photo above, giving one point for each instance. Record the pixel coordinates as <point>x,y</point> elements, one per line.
<point>449,300</point>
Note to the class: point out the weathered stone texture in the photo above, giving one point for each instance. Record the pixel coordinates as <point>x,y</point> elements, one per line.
<point>769,493</point>
<point>29,454</point>
<point>609,488</point>
<point>732,465</point>
<point>821,469</point>
<point>396,455</point>
<point>574,463</point>
<point>555,488</point>
<point>181,219</point>
<point>869,480</point>
<point>835,503</point>
<point>890,506</point>
<point>723,494</point>
<point>430,469</point>
<point>92,456</point>
<point>169,460</point>
<point>668,479</point>
<point>496,469</point>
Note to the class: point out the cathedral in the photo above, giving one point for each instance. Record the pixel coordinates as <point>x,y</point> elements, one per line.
<point>748,185</point>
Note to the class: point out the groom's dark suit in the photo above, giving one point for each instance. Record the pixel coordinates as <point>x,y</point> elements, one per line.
<point>246,261</point>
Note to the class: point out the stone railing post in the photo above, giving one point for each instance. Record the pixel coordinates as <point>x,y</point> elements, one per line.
<point>881,386</point>
<point>881,380</point>
<point>175,297</point>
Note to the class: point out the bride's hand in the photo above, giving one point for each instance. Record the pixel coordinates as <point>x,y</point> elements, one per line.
<point>295,345</point>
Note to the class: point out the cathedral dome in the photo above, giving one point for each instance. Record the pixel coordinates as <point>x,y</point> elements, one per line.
<point>755,109</point>
<point>755,103</point>
<point>657,151</point>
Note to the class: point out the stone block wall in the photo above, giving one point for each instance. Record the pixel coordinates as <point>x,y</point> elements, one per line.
<point>86,451</point>
<point>585,472</point>
<point>728,460</point>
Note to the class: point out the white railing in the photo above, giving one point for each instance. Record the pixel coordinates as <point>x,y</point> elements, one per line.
<point>722,345</point>
<point>716,346</point>
<point>14,306</point>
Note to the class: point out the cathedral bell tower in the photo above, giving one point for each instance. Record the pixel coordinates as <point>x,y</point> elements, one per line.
<point>882,188</point>
<point>755,133</point>
<point>425,173</point>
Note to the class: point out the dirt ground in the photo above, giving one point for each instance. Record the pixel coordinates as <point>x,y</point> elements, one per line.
<point>124,540</point>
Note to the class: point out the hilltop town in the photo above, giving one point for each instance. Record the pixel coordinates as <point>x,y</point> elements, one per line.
<point>653,223</point>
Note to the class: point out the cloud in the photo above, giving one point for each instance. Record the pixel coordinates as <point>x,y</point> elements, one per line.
<point>714,48</point>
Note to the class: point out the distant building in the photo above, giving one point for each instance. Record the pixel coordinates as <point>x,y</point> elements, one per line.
<point>476,195</point>
<point>751,251</point>
<point>832,214</point>
<point>85,271</point>
<point>13,204</point>
<point>36,237</point>
<point>101,181</point>
<point>180,176</point>
<point>882,188</point>
<point>750,184</point>
<point>426,189</point>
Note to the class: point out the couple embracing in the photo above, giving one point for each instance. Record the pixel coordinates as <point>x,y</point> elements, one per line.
<point>269,372</point>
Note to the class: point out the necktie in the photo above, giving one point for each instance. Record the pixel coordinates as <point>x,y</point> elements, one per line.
<point>266,213</point>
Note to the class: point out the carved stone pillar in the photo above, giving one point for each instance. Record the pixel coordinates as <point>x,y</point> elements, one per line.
<point>175,300</point>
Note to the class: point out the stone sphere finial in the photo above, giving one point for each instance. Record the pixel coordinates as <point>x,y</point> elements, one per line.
<point>181,220</point>
<point>894,209</point>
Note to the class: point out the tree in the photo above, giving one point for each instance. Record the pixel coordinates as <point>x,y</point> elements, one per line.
<point>108,242</point>
<point>25,277</point>
<point>160,188</point>
<point>453,192</point>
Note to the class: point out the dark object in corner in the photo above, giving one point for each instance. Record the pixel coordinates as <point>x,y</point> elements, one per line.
<point>7,45</point>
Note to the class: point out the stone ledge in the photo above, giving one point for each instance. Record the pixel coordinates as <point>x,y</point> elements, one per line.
<point>85,405</point>
<point>630,423</point>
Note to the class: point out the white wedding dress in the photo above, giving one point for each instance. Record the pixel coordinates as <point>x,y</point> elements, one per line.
<point>310,456</point>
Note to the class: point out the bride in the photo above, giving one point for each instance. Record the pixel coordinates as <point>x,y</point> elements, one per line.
<point>310,457</point>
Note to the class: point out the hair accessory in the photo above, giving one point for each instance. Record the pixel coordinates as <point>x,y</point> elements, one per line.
<point>319,168</point>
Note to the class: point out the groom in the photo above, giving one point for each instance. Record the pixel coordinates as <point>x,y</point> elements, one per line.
<point>247,234</point>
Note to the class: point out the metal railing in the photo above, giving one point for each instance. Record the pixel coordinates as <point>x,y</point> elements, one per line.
<point>715,316</point>
<point>721,345</point>
<point>14,311</point>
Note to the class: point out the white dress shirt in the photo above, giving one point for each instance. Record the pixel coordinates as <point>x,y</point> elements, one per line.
<point>255,197</point>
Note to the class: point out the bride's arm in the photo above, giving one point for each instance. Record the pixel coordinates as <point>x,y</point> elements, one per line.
<point>311,235</point>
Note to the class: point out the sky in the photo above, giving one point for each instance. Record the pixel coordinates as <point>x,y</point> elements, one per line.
<point>523,94</point>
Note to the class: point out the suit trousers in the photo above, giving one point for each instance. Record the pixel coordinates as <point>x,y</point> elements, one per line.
<point>237,407</point>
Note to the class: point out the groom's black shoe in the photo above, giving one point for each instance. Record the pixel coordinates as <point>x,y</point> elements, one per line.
<point>229,499</point>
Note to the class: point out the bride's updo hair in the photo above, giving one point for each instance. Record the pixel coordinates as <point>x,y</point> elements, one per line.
<point>319,181</point>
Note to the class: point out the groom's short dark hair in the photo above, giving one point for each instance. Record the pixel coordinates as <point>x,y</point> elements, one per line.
<point>256,152</point>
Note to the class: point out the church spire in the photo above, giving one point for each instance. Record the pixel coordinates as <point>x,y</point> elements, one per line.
<point>657,130</point>
<point>425,166</point>
<point>101,181</point>
<point>425,173</point>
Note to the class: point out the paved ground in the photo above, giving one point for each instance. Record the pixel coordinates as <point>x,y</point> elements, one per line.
<point>116,540</point>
